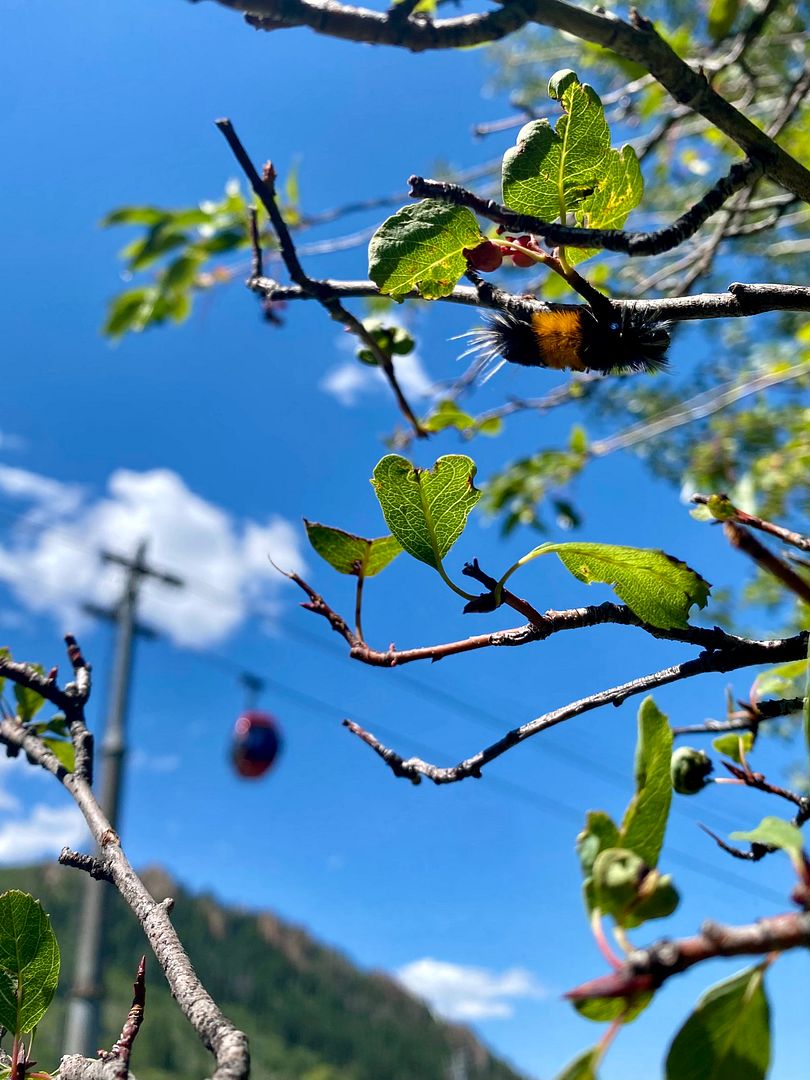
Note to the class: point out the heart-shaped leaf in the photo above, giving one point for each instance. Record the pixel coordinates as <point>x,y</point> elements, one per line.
<point>551,170</point>
<point>350,554</point>
<point>426,509</point>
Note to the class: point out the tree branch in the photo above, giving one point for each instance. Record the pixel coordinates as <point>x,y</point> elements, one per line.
<point>636,40</point>
<point>787,536</point>
<point>647,969</point>
<point>741,300</point>
<point>746,654</point>
<point>538,628</point>
<point>739,176</point>
<point>226,1042</point>
<point>264,188</point>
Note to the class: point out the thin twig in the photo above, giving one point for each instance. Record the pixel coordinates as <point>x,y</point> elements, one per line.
<point>264,188</point>
<point>721,660</point>
<point>739,176</point>
<point>787,536</point>
<point>742,539</point>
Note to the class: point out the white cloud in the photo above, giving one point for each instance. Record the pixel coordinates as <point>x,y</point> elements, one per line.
<point>155,763</point>
<point>459,992</point>
<point>44,832</point>
<point>55,568</point>
<point>353,379</point>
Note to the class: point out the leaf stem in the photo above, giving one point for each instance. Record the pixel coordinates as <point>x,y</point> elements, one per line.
<point>452,584</point>
<point>358,604</point>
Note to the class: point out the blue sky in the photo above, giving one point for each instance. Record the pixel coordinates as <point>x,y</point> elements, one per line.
<point>213,440</point>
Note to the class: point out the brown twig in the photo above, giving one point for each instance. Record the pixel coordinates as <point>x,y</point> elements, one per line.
<point>264,187</point>
<point>647,969</point>
<point>787,536</point>
<point>635,40</point>
<point>748,720</point>
<point>122,1049</point>
<point>742,539</point>
<point>539,627</point>
<point>739,176</point>
<point>746,654</point>
<point>741,300</point>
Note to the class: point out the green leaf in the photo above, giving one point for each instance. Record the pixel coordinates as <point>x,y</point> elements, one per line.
<point>421,247</point>
<point>600,834</point>
<point>448,415</point>
<point>181,272</point>
<point>550,171</point>
<point>658,588</point>
<point>721,16</point>
<point>777,833</point>
<point>5,653</point>
<point>29,958</point>
<point>134,215</point>
<point>350,554</point>
<point>426,509</point>
<point>604,1010</point>
<point>728,1035</point>
<point>618,191</point>
<point>645,820</point>
<point>63,751</point>
<point>784,681</point>
<point>130,310</point>
<point>729,745</point>
<point>29,702</point>
<point>583,1067</point>
<point>158,241</point>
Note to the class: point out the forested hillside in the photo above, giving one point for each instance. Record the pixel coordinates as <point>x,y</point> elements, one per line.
<point>309,1013</point>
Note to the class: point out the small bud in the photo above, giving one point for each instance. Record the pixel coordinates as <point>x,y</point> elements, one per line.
<point>486,257</point>
<point>689,770</point>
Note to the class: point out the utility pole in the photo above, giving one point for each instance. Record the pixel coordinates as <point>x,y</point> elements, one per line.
<point>82,1028</point>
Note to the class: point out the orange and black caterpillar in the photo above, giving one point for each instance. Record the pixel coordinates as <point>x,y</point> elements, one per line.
<point>572,337</point>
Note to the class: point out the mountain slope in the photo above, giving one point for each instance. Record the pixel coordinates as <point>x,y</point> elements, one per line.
<point>308,1012</point>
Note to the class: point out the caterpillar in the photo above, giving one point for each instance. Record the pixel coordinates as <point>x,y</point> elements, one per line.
<point>571,337</point>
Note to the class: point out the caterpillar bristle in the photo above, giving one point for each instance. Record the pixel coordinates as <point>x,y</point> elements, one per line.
<point>570,337</point>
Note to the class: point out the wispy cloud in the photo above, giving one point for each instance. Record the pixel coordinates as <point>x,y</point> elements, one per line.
<point>352,380</point>
<point>54,568</point>
<point>45,831</point>
<point>460,992</point>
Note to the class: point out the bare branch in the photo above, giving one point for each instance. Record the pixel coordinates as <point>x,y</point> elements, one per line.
<point>739,176</point>
<point>748,719</point>
<point>647,969</point>
<point>636,40</point>
<point>742,539</point>
<point>746,654</point>
<point>122,1048</point>
<point>787,536</point>
<point>538,628</point>
<point>226,1042</point>
<point>264,188</point>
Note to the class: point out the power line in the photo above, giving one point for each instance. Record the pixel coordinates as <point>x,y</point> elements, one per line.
<point>605,772</point>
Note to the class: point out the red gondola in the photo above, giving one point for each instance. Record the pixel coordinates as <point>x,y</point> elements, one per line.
<point>256,743</point>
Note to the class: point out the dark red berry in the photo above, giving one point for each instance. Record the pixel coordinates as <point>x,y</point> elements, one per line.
<point>520,259</point>
<point>486,257</point>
